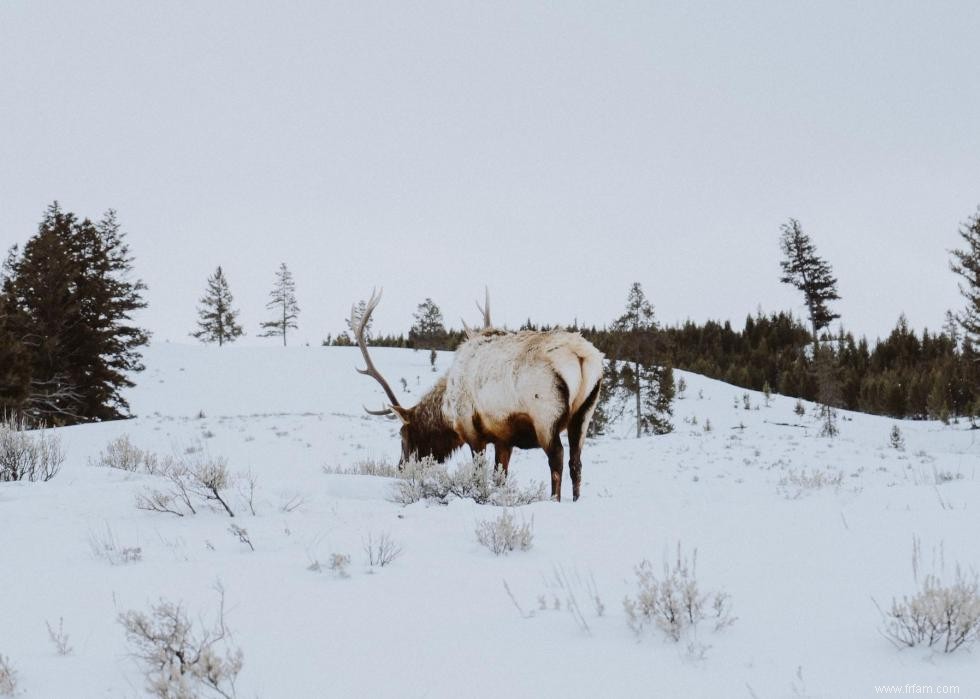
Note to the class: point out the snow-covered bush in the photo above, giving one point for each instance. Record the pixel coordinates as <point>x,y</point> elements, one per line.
<point>366,467</point>
<point>674,602</point>
<point>503,534</point>
<point>27,456</point>
<point>940,615</point>
<point>179,660</point>
<point>339,562</point>
<point>426,479</point>
<point>8,677</point>
<point>795,483</point>
<point>122,454</point>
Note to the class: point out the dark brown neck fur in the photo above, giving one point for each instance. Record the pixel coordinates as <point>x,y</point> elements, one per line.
<point>427,430</point>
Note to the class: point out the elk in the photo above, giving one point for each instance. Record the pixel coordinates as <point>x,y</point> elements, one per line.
<point>506,389</point>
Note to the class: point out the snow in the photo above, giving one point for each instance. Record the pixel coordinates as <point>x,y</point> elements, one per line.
<point>803,565</point>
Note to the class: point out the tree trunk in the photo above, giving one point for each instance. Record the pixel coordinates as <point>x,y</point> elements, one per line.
<point>636,377</point>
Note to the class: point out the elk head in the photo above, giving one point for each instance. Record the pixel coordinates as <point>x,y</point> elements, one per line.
<point>424,431</point>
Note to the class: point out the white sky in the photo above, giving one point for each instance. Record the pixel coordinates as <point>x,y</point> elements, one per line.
<point>555,151</point>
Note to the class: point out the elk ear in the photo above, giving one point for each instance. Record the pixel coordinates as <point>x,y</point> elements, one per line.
<point>403,413</point>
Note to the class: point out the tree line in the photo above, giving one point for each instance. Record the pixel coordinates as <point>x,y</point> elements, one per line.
<point>69,345</point>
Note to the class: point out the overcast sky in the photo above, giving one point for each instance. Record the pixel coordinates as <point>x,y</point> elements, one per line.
<point>556,152</point>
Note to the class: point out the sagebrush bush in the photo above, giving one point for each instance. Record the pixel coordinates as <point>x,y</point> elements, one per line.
<point>674,602</point>
<point>938,615</point>
<point>426,479</point>
<point>204,480</point>
<point>122,454</point>
<point>503,534</point>
<point>28,456</point>
<point>366,467</point>
<point>8,677</point>
<point>180,661</point>
<point>796,482</point>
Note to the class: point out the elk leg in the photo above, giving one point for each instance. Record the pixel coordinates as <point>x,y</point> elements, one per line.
<point>575,458</point>
<point>501,453</point>
<point>556,460</point>
<point>577,427</point>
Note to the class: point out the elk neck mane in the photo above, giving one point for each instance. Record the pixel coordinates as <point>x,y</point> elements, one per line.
<point>429,430</point>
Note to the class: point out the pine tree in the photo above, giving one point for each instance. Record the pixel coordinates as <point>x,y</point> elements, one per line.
<point>428,331</point>
<point>15,373</point>
<point>217,319</point>
<point>282,299</point>
<point>69,299</point>
<point>951,329</point>
<point>15,370</point>
<point>642,377</point>
<point>809,273</point>
<point>828,391</point>
<point>966,263</point>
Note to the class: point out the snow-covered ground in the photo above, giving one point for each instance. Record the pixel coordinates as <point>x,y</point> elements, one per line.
<point>803,563</point>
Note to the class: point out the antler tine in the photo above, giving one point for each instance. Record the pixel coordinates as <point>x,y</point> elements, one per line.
<point>358,325</point>
<point>485,309</point>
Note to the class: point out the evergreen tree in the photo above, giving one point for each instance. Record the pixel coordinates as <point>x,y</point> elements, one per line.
<point>809,273</point>
<point>828,391</point>
<point>14,362</point>
<point>651,385</point>
<point>282,300</point>
<point>15,370</point>
<point>951,329</point>
<point>217,319</point>
<point>428,331</point>
<point>966,263</point>
<point>68,298</point>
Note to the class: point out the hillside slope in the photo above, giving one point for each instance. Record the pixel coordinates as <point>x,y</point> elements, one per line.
<point>802,532</point>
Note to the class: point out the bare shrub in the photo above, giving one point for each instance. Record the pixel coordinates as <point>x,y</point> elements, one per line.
<point>176,498</point>
<point>59,638</point>
<point>28,456</point>
<point>206,479</point>
<point>8,677</point>
<point>105,546</point>
<point>241,534</point>
<point>122,454</point>
<point>426,479</point>
<point>209,479</point>
<point>674,602</point>
<point>381,550</point>
<point>179,660</point>
<point>503,535</point>
<point>563,585</point>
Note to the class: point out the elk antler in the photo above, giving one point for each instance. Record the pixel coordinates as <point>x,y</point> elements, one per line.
<point>485,309</point>
<point>358,325</point>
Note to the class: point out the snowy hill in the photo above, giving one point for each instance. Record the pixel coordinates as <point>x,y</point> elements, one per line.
<point>802,533</point>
